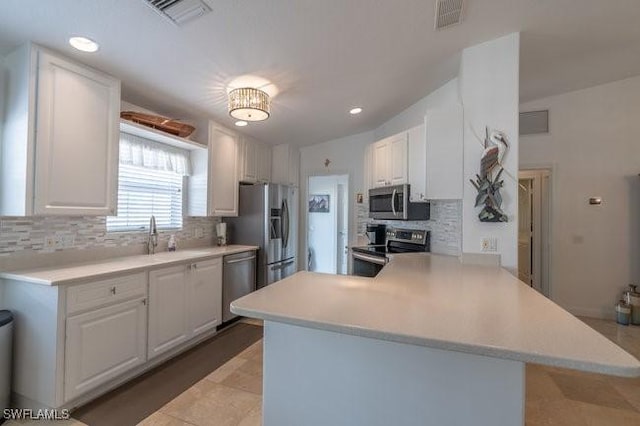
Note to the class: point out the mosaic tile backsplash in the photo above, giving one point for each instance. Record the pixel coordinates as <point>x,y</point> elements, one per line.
<point>445,225</point>
<point>31,234</point>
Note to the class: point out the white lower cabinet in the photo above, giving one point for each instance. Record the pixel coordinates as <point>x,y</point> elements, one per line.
<point>205,296</point>
<point>77,341</point>
<point>184,301</point>
<point>103,344</point>
<point>168,326</point>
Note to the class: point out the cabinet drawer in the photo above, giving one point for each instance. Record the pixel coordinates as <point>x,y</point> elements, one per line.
<point>99,293</point>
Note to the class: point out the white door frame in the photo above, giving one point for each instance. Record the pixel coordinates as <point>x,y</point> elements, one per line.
<point>304,213</point>
<point>542,247</point>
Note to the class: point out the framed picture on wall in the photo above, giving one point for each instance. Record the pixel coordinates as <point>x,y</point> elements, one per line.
<point>319,203</point>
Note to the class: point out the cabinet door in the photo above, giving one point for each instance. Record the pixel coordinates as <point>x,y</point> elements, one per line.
<point>77,133</point>
<point>294,166</point>
<point>223,179</point>
<point>417,163</point>
<point>285,168</point>
<point>205,295</point>
<point>103,344</point>
<point>250,161</point>
<point>444,177</point>
<point>398,159</point>
<point>168,325</point>
<point>264,163</point>
<point>380,169</point>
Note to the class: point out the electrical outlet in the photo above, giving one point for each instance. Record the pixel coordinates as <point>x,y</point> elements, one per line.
<point>198,232</point>
<point>49,242</point>
<point>489,244</point>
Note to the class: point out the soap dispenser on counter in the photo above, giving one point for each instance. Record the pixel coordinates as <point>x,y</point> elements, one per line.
<point>171,246</point>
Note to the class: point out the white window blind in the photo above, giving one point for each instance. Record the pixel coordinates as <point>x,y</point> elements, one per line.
<point>144,189</point>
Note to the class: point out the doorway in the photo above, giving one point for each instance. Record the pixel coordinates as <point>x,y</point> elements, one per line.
<point>534,228</point>
<point>328,223</point>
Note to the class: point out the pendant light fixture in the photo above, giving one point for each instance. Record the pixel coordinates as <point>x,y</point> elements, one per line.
<point>249,104</point>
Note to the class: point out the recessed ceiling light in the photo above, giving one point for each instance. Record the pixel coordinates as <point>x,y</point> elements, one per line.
<point>84,44</point>
<point>241,123</point>
<point>356,110</point>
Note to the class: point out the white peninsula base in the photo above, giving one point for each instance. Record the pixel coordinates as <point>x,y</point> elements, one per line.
<point>316,377</point>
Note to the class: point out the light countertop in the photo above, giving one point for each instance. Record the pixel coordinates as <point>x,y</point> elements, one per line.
<point>69,274</point>
<point>436,301</point>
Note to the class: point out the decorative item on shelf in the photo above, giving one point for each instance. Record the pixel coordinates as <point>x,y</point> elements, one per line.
<point>167,125</point>
<point>172,245</point>
<point>488,187</point>
<point>319,203</point>
<point>249,104</point>
<point>623,312</point>
<point>632,297</point>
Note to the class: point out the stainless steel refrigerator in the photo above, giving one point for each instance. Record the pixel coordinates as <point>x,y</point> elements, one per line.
<point>268,218</point>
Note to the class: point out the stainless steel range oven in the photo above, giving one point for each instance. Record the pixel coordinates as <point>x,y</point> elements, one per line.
<point>369,260</point>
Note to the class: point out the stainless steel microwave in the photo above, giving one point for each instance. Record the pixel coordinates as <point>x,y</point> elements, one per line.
<point>392,203</point>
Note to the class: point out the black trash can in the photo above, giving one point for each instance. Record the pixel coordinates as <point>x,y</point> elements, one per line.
<point>6,339</point>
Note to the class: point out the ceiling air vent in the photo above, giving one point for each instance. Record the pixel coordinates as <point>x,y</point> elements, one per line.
<point>448,13</point>
<point>179,12</point>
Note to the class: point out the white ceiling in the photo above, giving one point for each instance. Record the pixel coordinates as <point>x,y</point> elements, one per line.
<point>327,56</point>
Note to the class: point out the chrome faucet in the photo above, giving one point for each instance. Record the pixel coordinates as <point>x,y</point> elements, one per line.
<point>152,240</point>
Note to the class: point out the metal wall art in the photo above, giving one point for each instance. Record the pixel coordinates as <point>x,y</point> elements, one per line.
<point>488,185</point>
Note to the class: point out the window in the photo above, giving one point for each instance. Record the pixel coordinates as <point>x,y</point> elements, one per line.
<point>150,183</point>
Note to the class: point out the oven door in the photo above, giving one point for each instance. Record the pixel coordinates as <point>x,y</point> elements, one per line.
<point>365,265</point>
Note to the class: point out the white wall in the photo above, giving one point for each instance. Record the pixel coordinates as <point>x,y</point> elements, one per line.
<point>347,157</point>
<point>594,151</point>
<point>489,89</point>
<point>413,116</point>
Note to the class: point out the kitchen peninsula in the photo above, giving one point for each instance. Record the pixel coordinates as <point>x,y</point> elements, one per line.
<point>428,341</point>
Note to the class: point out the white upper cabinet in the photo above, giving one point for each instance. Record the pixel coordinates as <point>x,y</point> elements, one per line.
<point>249,161</point>
<point>389,161</point>
<point>264,163</point>
<point>285,168</point>
<point>256,161</point>
<point>224,158</point>
<point>444,168</point>
<point>398,167</point>
<point>427,157</point>
<point>417,173</point>
<point>60,137</point>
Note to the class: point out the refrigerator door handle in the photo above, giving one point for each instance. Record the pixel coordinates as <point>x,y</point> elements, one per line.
<point>281,266</point>
<point>285,223</point>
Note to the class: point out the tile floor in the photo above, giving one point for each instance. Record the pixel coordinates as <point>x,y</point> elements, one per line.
<point>231,395</point>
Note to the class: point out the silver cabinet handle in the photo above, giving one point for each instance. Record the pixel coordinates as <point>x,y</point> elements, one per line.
<point>244,259</point>
<point>113,290</point>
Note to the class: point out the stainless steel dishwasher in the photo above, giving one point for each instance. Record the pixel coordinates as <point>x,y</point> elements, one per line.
<point>238,279</point>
